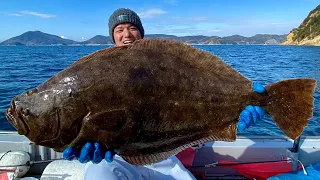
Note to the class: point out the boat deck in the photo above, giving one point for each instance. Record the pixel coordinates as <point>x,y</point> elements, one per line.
<point>244,149</point>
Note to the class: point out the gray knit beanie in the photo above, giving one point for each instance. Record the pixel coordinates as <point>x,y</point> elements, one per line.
<point>124,15</point>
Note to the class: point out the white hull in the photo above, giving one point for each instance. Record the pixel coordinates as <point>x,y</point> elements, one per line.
<point>244,149</point>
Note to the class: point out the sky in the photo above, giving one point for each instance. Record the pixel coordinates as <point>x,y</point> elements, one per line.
<point>81,20</point>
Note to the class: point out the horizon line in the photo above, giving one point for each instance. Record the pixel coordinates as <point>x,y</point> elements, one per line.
<point>146,35</point>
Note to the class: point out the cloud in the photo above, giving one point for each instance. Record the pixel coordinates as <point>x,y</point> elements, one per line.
<point>152,13</point>
<point>14,14</point>
<point>83,38</point>
<point>63,37</point>
<point>32,13</point>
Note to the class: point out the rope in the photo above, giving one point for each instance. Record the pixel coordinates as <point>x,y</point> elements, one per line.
<point>304,170</point>
<point>4,154</point>
<point>29,163</point>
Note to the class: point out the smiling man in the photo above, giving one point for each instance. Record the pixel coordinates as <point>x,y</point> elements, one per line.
<point>125,27</point>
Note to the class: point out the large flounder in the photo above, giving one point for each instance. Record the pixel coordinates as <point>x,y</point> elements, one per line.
<point>151,99</point>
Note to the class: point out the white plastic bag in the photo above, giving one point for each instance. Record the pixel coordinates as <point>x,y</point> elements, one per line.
<point>170,169</point>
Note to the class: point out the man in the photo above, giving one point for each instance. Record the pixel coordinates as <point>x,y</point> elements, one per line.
<point>125,27</point>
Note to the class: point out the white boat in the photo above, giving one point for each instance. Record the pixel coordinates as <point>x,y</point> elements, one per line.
<point>17,153</point>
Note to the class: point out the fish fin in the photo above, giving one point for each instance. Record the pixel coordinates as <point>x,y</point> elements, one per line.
<point>152,158</point>
<point>291,104</point>
<point>96,55</point>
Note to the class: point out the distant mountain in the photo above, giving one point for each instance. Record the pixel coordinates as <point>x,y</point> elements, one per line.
<point>31,38</point>
<point>235,39</point>
<point>308,33</point>
<point>267,39</point>
<point>196,39</point>
<point>99,39</point>
<point>39,38</point>
<point>162,36</point>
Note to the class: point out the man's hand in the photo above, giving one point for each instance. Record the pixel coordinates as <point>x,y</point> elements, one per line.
<point>89,152</point>
<point>251,114</point>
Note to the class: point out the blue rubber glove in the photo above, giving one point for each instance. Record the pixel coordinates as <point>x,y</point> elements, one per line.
<point>88,153</point>
<point>251,114</point>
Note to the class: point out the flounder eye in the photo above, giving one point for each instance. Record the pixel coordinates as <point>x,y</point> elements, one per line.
<point>30,92</point>
<point>26,112</point>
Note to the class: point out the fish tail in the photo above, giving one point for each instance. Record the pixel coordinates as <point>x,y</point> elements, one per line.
<point>290,104</point>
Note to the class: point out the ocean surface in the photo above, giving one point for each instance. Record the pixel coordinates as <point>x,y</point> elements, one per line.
<point>25,67</point>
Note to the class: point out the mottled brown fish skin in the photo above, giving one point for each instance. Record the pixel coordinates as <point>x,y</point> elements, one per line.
<point>150,100</point>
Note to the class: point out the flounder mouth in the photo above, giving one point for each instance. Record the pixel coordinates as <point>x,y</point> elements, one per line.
<point>16,120</point>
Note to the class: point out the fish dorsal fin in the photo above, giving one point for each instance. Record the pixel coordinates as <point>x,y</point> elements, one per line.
<point>152,158</point>
<point>227,135</point>
<point>99,53</point>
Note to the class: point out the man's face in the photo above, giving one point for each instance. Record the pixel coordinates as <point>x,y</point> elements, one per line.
<point>125,34</point>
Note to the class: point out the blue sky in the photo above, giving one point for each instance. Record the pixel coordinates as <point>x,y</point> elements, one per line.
<point>82,19</point>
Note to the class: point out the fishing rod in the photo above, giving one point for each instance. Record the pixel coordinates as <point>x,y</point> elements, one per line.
<point>295,146</point>
<point>216,164</point>
<point>294,154</point>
